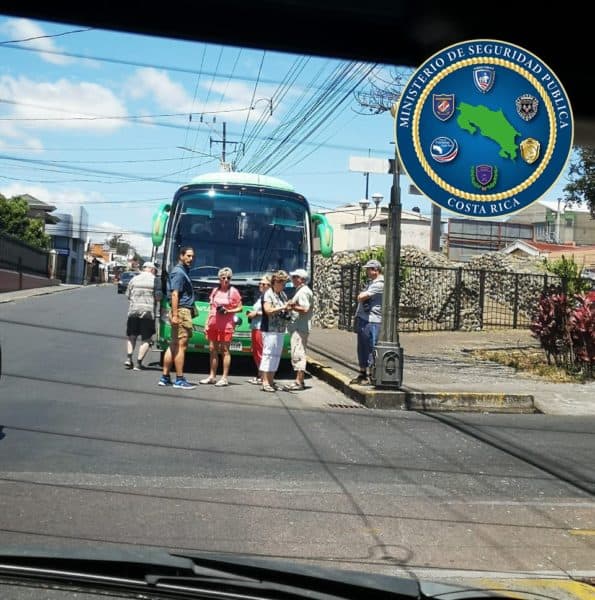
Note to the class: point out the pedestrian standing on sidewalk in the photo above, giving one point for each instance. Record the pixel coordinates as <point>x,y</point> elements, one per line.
<point>143,291</point>
<point>368,317</point>
<point>225,302</point>
<point>255,318</point>
<point>181,298</point>
<point>275,316</point>
<point>302,308</point>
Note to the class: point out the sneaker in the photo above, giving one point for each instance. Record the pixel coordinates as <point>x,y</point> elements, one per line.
<point>222,383</point>
<point>361,379</point>
<point>140,367</point>
<point>164,380</point>
<point>206,381</point>
<point>183,384</point>
<point>128,364</point>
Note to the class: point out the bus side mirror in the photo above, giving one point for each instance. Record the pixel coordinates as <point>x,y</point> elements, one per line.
<point>159,222</point>
<point>325,233</point>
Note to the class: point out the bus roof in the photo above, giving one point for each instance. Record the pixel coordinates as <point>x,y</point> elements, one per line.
<point>239,178</point>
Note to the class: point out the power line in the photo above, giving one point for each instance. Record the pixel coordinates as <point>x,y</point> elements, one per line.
<point>40,37</point>
<point>138,64</point>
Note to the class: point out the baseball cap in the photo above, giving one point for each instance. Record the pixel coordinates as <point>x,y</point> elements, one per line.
<point>299,273</point>
<point>373,264</point>
<point>149,265</point>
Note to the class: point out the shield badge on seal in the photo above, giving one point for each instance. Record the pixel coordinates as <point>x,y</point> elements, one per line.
<point>483,78</point>
<point>443,106</point>
<point>526,106</point>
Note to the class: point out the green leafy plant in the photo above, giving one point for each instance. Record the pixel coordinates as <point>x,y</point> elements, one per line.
<point>570,272</point>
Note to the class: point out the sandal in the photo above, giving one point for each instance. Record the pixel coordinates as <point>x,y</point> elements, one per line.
<point>268,388</point>
<point>207,380</point>
<point>222,383</point>
<point>294,387</point>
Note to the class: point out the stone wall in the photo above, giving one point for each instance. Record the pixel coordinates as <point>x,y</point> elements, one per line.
<point>427,292</point>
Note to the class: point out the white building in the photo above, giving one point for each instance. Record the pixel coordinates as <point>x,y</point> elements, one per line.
<point>355,230</point>
<point>554,223</point>
<point>69,237</point>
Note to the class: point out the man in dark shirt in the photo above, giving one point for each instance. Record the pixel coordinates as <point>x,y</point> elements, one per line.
<point>181,298</point>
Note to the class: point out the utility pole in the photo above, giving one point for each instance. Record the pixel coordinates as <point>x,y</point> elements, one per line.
<point>224,142</point>
<point>558,241</point>
<point>436,228</point>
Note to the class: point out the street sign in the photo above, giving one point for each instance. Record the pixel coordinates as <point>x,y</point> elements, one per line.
<point>365,164</point>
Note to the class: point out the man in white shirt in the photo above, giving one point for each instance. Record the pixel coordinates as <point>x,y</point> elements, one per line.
<point>143,292</point>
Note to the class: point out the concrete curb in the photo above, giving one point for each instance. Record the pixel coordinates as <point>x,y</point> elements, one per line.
<point>405,399</point>
<point>13,295</point>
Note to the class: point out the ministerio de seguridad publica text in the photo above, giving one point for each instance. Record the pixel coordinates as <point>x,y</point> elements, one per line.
<point>513,55</point>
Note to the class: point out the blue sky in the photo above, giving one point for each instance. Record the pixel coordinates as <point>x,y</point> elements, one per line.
<point>101,118</point>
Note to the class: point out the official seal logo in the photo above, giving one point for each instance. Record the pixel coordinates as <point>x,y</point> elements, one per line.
<point>484,128</point>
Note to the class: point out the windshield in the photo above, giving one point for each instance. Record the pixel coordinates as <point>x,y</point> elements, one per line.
<point>374,410</point>
<point>248,232</point>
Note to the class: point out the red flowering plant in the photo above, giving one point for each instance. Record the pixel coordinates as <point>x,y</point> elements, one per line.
<point>581,325</point>
<point>565,329</point>
<point>550,327</point>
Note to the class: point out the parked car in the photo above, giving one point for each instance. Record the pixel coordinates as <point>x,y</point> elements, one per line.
<point>125,280</point>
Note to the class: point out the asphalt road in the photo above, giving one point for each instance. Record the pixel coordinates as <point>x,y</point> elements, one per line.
<point>93,454</point>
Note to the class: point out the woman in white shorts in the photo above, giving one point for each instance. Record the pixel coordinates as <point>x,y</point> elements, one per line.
<point>273,326</point>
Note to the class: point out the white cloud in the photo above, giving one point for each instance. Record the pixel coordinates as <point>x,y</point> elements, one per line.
<point>69,201</point>
<point>230,99</point>
<point>24,29</point>
<point>8,131</point>
<point>67,105</point>
<point>64,200</point>
<point>158,85</point>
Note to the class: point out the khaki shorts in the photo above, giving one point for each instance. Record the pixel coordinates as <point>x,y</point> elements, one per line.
<point>299,342</point>
<point>185,326</point>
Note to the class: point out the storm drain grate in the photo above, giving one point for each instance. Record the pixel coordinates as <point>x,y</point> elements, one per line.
<point>346,406</point>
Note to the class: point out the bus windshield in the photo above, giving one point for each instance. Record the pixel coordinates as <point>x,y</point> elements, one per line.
<point>251,232</point>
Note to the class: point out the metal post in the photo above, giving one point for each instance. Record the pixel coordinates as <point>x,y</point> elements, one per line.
<point>388,354</point>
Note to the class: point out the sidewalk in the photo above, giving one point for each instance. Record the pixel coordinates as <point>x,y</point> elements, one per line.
<point>441,374</point>
<point>439,371</point>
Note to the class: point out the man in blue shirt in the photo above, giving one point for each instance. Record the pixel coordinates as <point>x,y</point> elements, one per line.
<point>181,298</point>
<point>368,317</point>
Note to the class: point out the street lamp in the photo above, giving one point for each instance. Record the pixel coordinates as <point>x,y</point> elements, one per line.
<point>388,353</point>
<point>364,204</point>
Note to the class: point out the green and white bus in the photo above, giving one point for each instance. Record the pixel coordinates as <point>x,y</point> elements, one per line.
<point>254,224</point>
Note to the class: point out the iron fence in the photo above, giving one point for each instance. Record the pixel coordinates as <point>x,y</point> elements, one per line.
<point>453,298</point>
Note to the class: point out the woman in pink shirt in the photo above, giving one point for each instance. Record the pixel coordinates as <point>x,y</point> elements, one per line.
<point>225,302</point>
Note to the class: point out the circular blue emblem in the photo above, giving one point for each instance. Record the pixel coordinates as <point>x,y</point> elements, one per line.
<point>484,128</point>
